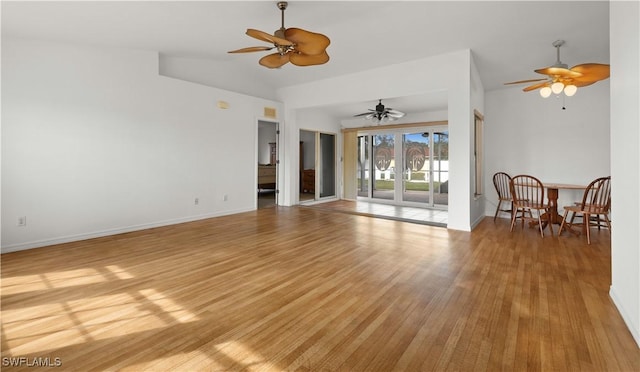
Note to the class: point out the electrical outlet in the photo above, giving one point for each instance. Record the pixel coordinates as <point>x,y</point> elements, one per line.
<point>196,201</point>
<point>22,221</point>
<point>225,197</point>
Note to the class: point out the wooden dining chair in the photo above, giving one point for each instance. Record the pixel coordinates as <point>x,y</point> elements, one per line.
<point>502,181</point>
<point>596,203</point>
<point>528,196</point>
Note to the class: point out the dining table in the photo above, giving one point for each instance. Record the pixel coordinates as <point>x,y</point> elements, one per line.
<point>552,195</point>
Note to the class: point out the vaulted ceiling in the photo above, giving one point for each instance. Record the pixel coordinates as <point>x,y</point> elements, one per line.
<point>508,39</point>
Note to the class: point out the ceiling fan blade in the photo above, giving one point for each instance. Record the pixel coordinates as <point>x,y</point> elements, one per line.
<point>251,49</point>
<point>363,114</point>
<point>559,72</point>
<point>581,84</point>
<point>307,42</point>
<point>536,86</point>
<point>274,60</point>
<point>395,114</point>
<point>300,59</point>
<point>524,81</point>
<point>261,35</point>
<point>591,71</point>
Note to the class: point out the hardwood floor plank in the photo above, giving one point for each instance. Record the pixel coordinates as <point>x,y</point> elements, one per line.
<point>304,289</point>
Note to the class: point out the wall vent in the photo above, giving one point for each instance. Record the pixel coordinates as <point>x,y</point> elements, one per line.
<point>270,112</point>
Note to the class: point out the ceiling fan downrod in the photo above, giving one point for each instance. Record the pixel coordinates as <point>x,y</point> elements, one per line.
<point>282,49</point>
<point>282,5</point>
<point>558,44</point>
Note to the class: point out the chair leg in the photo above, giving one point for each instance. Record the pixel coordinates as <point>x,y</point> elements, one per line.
<point>497,209</point>
<point>606,219</point>
<point>540,224</point>
<point>523,215</point>
<point>564,219</point>
<point>513,220</point>
<point>511,209</point>
<point>587,225</point>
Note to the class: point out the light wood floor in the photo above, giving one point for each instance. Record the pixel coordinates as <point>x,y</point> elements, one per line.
<point>287,289</point>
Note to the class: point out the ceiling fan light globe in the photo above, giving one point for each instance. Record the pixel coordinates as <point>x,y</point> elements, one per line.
<point>545,92</point>
<point>557,87</point>
<point>570,90</point>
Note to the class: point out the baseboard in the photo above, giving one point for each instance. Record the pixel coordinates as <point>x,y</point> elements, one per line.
<point>635,333</point>
<point>109,232</point>
<point>477,221</point>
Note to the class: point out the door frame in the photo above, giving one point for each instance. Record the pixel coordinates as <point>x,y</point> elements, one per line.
<point>318,164</point>
<point>278,157</point>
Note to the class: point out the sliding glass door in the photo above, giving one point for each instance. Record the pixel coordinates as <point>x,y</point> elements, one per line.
<point>415,174</point>
<point>383,166</point>
<point>405,167</point>
<point>437,167</point>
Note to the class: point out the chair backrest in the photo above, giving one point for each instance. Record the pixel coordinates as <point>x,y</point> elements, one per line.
<point>502,182</point>
<point>597,196</point>
<point>527,190</point>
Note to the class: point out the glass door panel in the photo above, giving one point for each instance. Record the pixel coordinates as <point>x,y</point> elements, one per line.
<point>383,167</point>
<point>363,166</point>
<point>415,174</point>
<point>441,168</point>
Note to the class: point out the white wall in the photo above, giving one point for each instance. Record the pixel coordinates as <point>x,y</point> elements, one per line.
<point>527,134</point>
<point>449,72</point>
<point>477,203</point>
<point>219,74</point>
<point>95,142</point>
<point>624,20</point>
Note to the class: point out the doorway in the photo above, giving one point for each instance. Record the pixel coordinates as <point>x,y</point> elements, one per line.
<point>317,166</point>
<point>267,190</point>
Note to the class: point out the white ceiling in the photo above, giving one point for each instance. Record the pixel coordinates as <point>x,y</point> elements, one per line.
<point>508,39</point>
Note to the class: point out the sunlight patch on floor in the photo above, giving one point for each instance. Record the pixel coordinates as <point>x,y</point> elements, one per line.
<point>250,360</point>
<point>43,322</point>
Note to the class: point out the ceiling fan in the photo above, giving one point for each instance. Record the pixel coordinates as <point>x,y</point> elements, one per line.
<point>295,45</point>
<point>560,77</point>
<point>381,114</point>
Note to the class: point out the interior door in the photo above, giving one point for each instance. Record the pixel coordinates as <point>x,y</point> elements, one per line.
<point>318,170</point>
<point>327,165</point>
